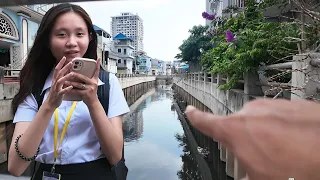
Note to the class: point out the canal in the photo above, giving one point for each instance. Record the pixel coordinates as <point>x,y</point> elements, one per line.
<point>155,144</point>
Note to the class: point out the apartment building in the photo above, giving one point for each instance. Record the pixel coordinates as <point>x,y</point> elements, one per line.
<point>123,46</point>
<point>130,25</point>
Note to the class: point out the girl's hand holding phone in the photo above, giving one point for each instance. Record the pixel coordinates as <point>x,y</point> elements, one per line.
<point>58,88</point>
<point>85,87</point>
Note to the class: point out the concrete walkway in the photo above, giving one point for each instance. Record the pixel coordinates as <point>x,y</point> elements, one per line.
<point>9,177</point>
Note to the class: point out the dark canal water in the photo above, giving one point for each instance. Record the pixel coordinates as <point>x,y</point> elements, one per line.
<point>155,145</point>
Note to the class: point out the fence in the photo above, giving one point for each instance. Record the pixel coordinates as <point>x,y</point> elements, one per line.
<point>304,83</point>
<point>9,75</point>
<point>12,75</point>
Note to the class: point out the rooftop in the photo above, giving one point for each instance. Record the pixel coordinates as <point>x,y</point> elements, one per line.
<point>97,28</point>
<point>121,36</point>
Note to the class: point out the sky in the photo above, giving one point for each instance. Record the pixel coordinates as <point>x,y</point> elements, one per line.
<point>166,22</point>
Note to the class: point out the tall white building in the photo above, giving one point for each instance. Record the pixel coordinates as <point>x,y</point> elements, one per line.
<point>130,25</point>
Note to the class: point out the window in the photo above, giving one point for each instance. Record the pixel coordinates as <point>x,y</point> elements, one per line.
<point>106,56</point>
<point>119,61</point>
<point>99,32</point>
<point>125,62</point>
<point>125,51</point>
<point>119,50</point>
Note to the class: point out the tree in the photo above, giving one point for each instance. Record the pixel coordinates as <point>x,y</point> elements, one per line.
<point>256,42</point>
<point>192,48</point>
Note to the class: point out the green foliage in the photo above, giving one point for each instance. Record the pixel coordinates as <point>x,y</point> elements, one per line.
<point>269,3</point>
<point>191,47</point>
<point>257,42</point>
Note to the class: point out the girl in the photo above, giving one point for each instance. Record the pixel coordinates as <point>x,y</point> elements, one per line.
<point>92,141</point>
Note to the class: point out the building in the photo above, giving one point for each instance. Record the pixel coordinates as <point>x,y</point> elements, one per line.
<point>124,48</point>
<point>105,50</point>
<point>180,67</point>
<point>19,28</point>
<point>154,66</point>
<point>219,7</point>
<point>144,64</point>
<point>176,64</point>
<point>42,8</point>
<point>136,61</point>
<point>168,68</point>
<point>161,67</point>
<point>130,25</point>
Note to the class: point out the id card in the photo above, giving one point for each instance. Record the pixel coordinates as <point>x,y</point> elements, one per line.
<point>51,176</point>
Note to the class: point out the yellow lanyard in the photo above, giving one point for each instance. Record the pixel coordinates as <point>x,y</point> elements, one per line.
<point>64,130</point>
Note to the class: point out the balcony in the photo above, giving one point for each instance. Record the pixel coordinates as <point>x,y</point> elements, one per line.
<point>121,55</point>
<point>122,66</point>
<point>123,43</point>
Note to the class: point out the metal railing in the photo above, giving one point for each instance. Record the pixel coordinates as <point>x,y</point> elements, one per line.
<point>270,85</point>
<point>9,75</point>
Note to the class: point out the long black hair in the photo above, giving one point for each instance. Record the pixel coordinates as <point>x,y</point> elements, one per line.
<point>40,60</point>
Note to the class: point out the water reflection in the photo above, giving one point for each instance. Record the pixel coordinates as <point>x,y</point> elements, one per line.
<point>133,126</point>
<point>155,145</point>
<point>189,168</point>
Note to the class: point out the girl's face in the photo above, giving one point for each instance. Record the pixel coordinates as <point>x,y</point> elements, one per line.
<point>69,37</point>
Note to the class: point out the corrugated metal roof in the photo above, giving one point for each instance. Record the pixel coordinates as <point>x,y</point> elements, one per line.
<point>97,28</point>
<point>121,36</point>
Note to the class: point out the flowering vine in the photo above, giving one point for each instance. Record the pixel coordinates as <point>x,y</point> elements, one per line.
<point>208,16</point>
<point>229,36</point>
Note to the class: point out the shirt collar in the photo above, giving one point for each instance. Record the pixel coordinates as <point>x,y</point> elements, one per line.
<point>48,82</point>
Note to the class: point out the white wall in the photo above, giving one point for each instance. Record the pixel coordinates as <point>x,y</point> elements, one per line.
<point>107,41</point>
<point>168,71</point>
<point>112,66</point>
<point>129,66</point>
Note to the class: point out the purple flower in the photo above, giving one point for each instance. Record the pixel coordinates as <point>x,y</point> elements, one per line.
<point>229,36</point>
<point>208,16</point>
<point>205,14</point>
<point>211,17</point>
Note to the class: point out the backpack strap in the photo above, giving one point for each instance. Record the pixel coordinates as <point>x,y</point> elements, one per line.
<point>103,95</point>
<point>39,98</point>
<point>104,91</point>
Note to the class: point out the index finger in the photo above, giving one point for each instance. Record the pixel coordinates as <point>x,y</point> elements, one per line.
<point>209,124</point>
<point>59,66</point>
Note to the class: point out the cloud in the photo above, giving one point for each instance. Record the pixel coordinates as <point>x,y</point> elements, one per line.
<point>154,3</point>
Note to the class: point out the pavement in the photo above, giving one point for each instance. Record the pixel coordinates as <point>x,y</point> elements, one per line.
<point>9,177</point>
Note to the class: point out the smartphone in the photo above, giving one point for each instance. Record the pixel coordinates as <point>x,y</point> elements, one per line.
<point>84,66</point>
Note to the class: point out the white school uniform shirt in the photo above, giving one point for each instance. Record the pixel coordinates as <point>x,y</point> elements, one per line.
<point>80,143</point>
